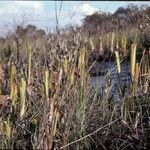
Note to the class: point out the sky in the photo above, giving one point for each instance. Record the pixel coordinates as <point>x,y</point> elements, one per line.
<point>43,14</point>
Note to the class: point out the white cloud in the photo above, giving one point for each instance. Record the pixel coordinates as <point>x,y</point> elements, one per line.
<point>19,12</point>
<point>34,12</point>
<point>78,12</point>
<point>19,7</point>
<point>87,9</point>
<point>36,5</point>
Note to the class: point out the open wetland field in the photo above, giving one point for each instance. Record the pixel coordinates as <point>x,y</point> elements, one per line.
<point>80,87</point>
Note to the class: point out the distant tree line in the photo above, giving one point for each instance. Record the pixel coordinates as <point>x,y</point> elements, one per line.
<point>122,19</point>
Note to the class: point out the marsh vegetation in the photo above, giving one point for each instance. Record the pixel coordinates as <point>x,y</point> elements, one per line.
<point>47,99</point>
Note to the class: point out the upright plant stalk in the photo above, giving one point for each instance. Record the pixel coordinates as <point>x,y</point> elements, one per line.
<point>124,43</point>
<point>46,84</point>
<point>133,62</point>
<point>22,97</point>
<point>1,78</point>
<point>13,85</point>
<point>7,128</point>
<point>53,113</point>
<point>12,74</point>
<point>117,41</point>
<point>72,75</point>
<point>65,66</point>
<point>118,62</point>
<point>136,76</point>
<point>81,67</point>
<point>107,40</point>
<point>101,45</point>
<point>14,96</point>
<point>145,67</point>
<point>54,125</point>
<point>82,90</point>
<point>29,65</point>
<point>118,67</point>
<point>81,62</point>
<point>135,37</point>
<point>112,42</point>
<point>18,49</point>
<point>92,45</point>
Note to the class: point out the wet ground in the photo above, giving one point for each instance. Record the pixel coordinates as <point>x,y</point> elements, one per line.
<point>109,78</point>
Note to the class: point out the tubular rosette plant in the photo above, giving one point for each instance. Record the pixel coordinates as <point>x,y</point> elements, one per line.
<point>101,45</point>
<point>133,62</point>
<point>7,129</point>
<point>29,65</point>
<point>65,65</point>
<point>72,72</point>
<point>46,83</point>
<point>22,97</point>
<point>124,43</point>
<point>92,44</point>
<point>13,86</point>
<point>117,41</point>
<point>81,64</point>
<point>81,67</point>
<point>118,62</point>
<point>112,42</point>
<point>136,76</point>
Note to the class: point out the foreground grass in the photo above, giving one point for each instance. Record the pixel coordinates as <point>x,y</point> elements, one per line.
<point>47,101</point>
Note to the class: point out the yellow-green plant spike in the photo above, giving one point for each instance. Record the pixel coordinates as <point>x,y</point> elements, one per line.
<point>133,60</point>
<point>22,97</point>
<point>112,42</point>
<point>29,65</point>
<point>46,83</point>
<point>65,65</point>
<point>101,45</point>
<point>14,96</point>
<point>124,43</point>
<point>136,77</point>
<point>12,75</point>
<point>7,128</point>
<point>81,64</point>
<point>72,76</point>
<point>117,41</point>
<point>118,62</point>
<point>92,44</point>
<point>107,40</point>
